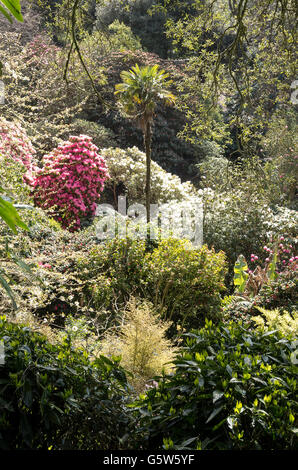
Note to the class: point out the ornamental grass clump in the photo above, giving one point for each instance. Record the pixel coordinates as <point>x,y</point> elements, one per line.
<point>69,185</point>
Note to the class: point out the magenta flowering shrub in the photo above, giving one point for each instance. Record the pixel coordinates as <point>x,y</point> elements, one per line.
<point>284,248</point>
<point>68,186</point>
<point>272,281</point>
<point>15,143</point>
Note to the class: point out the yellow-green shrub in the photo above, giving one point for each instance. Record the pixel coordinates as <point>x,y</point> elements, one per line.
<point>185,282</point>
<point>276,319</point>
<point>141,343</point>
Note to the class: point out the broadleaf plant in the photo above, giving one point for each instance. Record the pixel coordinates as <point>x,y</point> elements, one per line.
<point>240,274</point>
<point>11,7</point>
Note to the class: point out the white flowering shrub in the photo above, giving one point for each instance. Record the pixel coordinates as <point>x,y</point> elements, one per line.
<point>178,219</point>
<point>240,224</point>
<point>127,169</point>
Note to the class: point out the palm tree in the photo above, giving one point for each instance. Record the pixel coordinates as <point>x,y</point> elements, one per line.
<point>139,92</point>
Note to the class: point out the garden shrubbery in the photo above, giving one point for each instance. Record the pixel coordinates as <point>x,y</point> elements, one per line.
<point>127,169</point>
<point>238,223</point>
<point>17,157</point>
<point>68,186</point>
<point>271,282</point>
<point>53,397</point>
<point>233,388</point>
<point>275,319</point>
<point>183,283</point>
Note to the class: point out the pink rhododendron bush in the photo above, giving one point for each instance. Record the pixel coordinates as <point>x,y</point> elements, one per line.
<point>15,144</point>
<point>69,185</point>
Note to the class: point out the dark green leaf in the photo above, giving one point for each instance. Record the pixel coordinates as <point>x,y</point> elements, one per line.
<point>214,413</point>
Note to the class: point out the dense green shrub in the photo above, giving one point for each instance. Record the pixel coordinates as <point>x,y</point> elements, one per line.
<point>185,282</point>
<point>54,397</point>
<point>241,223</point>
<point>101,136</point>
<point>113,270</point>
<point>232,389</point>
<point>174,276</point>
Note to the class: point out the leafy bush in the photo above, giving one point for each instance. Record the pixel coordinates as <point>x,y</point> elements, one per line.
<point>185,283</point>
<point>279,145</point>
<point>70,182</point>
<point>113,270</point>
<point>238,224</point>
<point>274,319</point>
<point>117,36</point>
<point>140,341</point>
<point>35,89</point>
<point>53,397</point>
<point>232,389</point>
<point>12,176</point>
<point>148,27</point>
<point>241,210</point>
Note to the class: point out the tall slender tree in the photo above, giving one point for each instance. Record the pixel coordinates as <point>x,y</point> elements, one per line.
<point>139,93</point>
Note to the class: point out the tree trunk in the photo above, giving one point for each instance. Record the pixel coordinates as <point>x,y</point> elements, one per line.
<point>147,143</point>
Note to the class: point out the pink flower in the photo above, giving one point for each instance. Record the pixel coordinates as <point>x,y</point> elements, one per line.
<point>72,178</point>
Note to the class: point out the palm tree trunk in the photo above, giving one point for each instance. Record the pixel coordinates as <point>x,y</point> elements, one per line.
<point>147,143</point>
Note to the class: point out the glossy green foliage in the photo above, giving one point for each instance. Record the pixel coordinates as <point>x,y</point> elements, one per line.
<point>233,388</point>
<point>240,274</point>
<point>54,397</point>
<point>11,7</point>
